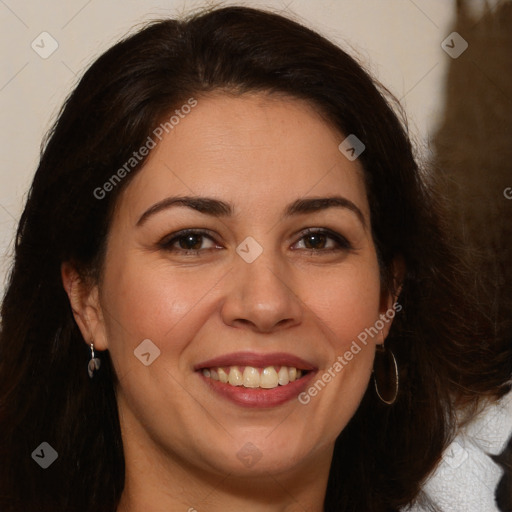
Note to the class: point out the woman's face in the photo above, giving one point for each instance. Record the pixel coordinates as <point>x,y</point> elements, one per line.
<point>277,278</point>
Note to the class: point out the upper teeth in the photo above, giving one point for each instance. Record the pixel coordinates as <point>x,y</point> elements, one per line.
<point>251,377</point>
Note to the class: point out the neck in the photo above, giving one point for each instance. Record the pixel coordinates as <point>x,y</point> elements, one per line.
<point>161,482</point>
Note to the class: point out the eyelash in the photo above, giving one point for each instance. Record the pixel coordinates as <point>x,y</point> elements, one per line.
<point>342,244</point>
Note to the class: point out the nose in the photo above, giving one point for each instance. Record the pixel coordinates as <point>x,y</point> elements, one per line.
<point>261,296</point>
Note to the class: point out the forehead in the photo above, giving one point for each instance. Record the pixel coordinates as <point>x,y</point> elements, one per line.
<point>251,150</point>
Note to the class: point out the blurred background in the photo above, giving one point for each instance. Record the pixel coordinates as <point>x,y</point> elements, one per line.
<point>448,61</point>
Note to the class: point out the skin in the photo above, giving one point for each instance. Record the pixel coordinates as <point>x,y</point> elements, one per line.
<point>258,153</point>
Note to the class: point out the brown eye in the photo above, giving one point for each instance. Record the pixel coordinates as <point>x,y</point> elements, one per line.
<point>315,241</point>
<point>188,242</point>
<point>191,241</point>
<point>323,240</point>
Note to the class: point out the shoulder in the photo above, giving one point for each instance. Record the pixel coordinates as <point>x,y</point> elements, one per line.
<point>471,473</point>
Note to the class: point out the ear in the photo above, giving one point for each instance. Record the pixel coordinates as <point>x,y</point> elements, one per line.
<point>389,305</point>
<point>85,304</point>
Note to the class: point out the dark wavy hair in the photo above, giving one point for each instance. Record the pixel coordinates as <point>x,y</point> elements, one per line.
<point>447,359</point>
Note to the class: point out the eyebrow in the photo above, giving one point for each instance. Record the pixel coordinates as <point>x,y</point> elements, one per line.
<point>313,204</point>
<point>218,208</point>
<point>206,205</point>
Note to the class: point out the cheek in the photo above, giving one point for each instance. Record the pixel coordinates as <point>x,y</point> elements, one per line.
<point>345,311</point>
<point>346,302</point>
<point>149,301</point>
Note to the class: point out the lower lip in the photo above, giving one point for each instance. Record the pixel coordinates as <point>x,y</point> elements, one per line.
<point>258,397</point>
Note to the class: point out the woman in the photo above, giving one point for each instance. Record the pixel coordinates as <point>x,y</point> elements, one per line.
<point>231,287</point>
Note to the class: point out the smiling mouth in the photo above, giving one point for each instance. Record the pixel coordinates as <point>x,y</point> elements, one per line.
<point>268,377</point>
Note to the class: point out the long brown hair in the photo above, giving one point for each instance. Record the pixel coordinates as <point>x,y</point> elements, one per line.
<point>446,357</point>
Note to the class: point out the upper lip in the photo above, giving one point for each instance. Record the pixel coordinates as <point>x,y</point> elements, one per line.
<point>256,360</point>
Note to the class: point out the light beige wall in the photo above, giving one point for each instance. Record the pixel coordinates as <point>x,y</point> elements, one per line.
<point>399,40</point>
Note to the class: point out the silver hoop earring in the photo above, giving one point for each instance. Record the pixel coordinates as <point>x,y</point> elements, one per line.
<point>385,375</point>
<point>94,363</point>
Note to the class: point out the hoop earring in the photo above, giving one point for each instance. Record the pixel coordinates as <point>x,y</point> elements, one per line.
<point>94,363</point>
<point>385,375</point>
